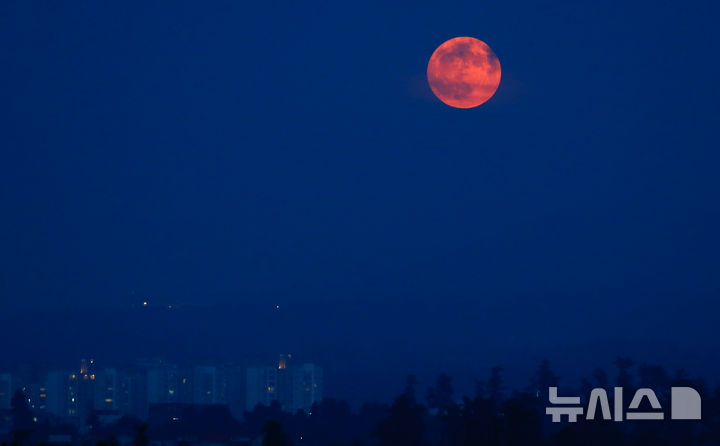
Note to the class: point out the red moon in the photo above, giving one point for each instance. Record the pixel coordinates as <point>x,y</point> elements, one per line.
<point>464,72</point>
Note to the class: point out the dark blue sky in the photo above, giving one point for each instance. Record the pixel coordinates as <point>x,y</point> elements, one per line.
<point>225,151</point>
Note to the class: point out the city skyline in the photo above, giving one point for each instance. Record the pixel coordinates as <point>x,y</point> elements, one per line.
<point>74,394</point>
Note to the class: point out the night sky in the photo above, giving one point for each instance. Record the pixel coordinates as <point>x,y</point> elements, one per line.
<point>233,154</point>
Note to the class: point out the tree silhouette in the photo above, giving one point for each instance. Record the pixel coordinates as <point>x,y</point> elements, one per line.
<point>624,377</point>
<point>441,396</point>
<point>654,377</point>
<point>521,422</point>
<point>112,441</point>
<point>473,422</point>
<point>256,420</point>
<point>495,386</point>
<point>544,379</point>
<point>331,421</point>
<point>141,438</point>
<point>274,434</point>
<point>23,418</point>
<point>93,421</point>
<point>601,378</point>
<point>404,425</point>
<point>410,384</point>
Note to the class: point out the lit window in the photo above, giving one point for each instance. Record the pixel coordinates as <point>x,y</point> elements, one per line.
<point>108,400</point>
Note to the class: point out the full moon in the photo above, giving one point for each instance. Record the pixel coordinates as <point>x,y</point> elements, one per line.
<point>464,72</point>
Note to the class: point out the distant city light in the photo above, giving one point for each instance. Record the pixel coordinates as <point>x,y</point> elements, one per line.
<point>114,388</point>
<point>145,304</point>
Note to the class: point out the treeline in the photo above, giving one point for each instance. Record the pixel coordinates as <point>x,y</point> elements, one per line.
<point>434,416</point>
<point>496,416</point>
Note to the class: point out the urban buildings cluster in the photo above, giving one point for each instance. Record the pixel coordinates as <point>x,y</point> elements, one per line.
<point>73,395</point>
